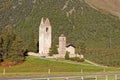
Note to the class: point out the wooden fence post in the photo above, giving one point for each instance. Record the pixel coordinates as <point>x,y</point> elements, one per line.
<point>95,77</point>
<point>48,78</point>
<point>48,71</point>
<point>81,70</point>
<point>104,69</point>
<point>106,77</point>
<point>115,76</point>
<point>66,78</point>
<point>4,71</point>
<point>82,78</point>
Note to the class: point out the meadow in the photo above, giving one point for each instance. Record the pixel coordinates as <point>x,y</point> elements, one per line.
<point>35,66</point>
<point>79,22</point>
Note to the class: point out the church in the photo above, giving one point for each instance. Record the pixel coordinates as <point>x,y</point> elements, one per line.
<point>45,40</point>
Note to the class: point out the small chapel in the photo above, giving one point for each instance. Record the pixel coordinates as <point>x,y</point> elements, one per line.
<point>45,40</point>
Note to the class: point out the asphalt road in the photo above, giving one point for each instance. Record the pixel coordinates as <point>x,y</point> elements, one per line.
<point>65,77</point>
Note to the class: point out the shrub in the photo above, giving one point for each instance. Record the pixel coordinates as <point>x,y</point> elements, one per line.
<point>67,56</point>
<point>81,60</point>
<point>77,59</point>
<point>72,59</point>
<point>50,52</point>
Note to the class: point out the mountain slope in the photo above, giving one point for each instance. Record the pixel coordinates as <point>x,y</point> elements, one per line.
<point>11,11</point>
<point>77,20</point>
<point>112,6</point>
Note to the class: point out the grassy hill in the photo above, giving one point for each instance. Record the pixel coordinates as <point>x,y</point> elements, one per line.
<point>76,19</point>
<point>34,66</point>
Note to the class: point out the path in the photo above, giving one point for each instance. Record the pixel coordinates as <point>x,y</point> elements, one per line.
<point>95,64</point>
<point>88,61</point>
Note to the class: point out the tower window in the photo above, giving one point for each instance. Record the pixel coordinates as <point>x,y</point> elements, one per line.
<point>46,29</point>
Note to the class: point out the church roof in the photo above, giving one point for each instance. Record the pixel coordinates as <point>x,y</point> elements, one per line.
<point>68,45</point>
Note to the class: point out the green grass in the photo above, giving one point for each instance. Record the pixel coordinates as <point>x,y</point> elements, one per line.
<point>69,61</point>
<point>34,66</point>
<point>94,28</point>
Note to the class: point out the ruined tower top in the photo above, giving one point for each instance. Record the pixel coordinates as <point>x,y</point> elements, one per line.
<point>45,22</point>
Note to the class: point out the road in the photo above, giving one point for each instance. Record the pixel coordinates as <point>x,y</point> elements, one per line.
<point>63,77</point>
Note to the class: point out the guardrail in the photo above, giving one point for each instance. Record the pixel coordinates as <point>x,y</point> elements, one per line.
<point>111,76</point>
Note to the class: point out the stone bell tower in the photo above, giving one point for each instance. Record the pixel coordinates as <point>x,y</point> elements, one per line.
<point>62,44</point>
<point>44,36</point>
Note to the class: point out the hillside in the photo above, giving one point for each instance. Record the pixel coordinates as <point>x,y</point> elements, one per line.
<point>77,20</point>
<point>11,11</point>
<point>112,6</point>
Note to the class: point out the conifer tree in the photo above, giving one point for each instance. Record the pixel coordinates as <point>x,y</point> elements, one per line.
<point>8,35</point>
<point>53,50</point>
<point>17,50</point>
<point>1,49</point>
<point>67,56</point>
<point>50,52</point>
<point>32,46</point>
<point>11,46</point>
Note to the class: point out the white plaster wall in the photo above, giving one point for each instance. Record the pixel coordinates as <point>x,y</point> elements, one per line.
<point>44,38</point>
<point>41,39</point>
<point>70,49</point>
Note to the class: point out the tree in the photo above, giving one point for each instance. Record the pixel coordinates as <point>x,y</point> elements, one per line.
<point>32,46</point>
<point>50,52</point>
<point>1,49</point>
<point>16,52</point>
<point>67,56</point>
<point>53,50</point>
<point>8,35</point>
<point>11,46</point>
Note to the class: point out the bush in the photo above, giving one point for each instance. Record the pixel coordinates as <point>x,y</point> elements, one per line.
<point>77,59</point>
<point>72,59</point>
<point>67,56</point>
<point>81,60</point>
<point>50,52</point>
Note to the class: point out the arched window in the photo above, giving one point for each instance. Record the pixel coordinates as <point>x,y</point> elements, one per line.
<point>47,29</point>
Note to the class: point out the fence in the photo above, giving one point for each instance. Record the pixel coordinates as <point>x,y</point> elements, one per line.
<point>83,77</point>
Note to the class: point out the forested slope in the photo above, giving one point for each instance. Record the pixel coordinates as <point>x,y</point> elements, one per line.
<point>11,11</point>
<point>74,18</point>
